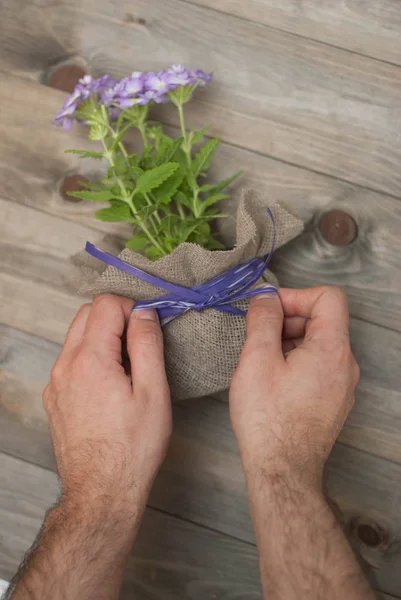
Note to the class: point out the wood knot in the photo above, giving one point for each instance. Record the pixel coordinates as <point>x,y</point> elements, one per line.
<point>73,183</point>
<point>66,77</point>
<point>370,534</point>
<point>338,228</point>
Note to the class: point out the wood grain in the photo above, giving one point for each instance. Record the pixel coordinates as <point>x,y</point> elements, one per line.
<point>368,269</point>
<point>369,28</point>
<point>172,558</point>
<point>295,99</point>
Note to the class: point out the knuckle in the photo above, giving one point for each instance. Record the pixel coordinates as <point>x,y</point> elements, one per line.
<point>57,373</point>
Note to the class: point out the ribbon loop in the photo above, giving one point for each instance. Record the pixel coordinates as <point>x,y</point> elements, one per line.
<point>219,293</point>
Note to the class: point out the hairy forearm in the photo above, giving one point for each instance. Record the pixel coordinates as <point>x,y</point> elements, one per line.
<point>303,550</point>
<point>80,554</point>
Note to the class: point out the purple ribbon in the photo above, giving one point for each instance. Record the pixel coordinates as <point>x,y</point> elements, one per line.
<point>218,293</point>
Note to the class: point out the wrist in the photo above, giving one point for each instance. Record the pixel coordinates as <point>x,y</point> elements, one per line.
<point>274,472</point>
<point>102,513</point>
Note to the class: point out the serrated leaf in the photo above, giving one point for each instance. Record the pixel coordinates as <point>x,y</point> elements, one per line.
<point>202,159</point>
<point>137,243</point>
<point>199,135</point>
<point>119,211</point>
<point>151,179</point>
<point>166,190</point>
<point>94,196</point>
<point>213,199</point>
<point>181,198</point>
<point>135,172</point>
<point>207,188</point>
<point>226,182</point>
<point>167,150</point>
<point>86,154</point>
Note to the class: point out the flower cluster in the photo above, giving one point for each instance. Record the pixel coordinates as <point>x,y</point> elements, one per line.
<point>138,89</point>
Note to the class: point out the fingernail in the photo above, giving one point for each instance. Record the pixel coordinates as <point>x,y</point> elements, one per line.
<point>267,293</point>
<point>149,314</point>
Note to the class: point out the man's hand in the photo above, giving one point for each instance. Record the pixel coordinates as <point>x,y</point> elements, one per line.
<point>295,382</point>
<point>289,398</point>
<point>110,427</point>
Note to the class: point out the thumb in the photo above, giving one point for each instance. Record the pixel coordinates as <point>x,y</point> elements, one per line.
<point>265,326</point>
<point>145,350</point>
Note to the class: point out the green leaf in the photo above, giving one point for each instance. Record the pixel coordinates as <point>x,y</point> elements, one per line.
<point>167,150</point>
<point>202,159</point>
<point>120,166</point>
<point>213,199</point>
<point>120,136</point>
<point>86,154</point>
<point>204,229</point>
<point>153,253</point>
<point>214,244</point>
<point>226,182</point>
<point>181,198</point>
<point>100,196</point>
<point>166,190</point>
<point>135,172</point>
<point>207,188</point>
<point>137,243</point>
<point>199,135</point>
<point>119,211</point>
<point>151,179</point>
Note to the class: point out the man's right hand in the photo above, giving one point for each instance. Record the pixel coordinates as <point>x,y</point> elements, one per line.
<point>289,398</point>
<point>295,382</point>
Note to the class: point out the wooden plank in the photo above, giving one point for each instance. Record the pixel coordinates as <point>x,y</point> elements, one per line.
<point>171,558</point>
<point>368,269</point>
<point>275,93</point>
<point>369,28</point>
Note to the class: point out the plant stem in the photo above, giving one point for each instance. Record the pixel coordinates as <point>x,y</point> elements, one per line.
<point>129,201</point>
<point>142,129</point>
<point>187,150</point>
<point>150,203</point>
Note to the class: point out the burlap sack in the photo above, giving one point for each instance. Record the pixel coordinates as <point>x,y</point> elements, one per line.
<point>202,349</point>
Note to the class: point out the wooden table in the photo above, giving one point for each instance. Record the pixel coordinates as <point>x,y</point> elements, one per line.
<point>307,99</point>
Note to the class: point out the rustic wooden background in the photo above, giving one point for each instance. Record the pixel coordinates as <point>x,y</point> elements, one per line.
<point>307,98</point>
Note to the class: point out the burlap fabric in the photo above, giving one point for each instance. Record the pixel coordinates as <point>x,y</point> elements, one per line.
<point>202,349</point>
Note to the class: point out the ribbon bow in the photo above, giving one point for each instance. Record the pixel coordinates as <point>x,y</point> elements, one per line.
<point>218,293</point>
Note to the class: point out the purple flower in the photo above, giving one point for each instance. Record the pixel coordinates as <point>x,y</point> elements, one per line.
<point>147,97</point>
<point>158,83</point>
<point>65,117</point>
<point>199,77</point>
<point>85,88</point>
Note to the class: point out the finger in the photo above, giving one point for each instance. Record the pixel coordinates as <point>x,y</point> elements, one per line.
<point>327,308</point>
<point>265,325</point>
<point>289,345</point>
<point>145,349</point>
<point>75,331</point>
<point>105,325</point>
<point>294,327</point>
